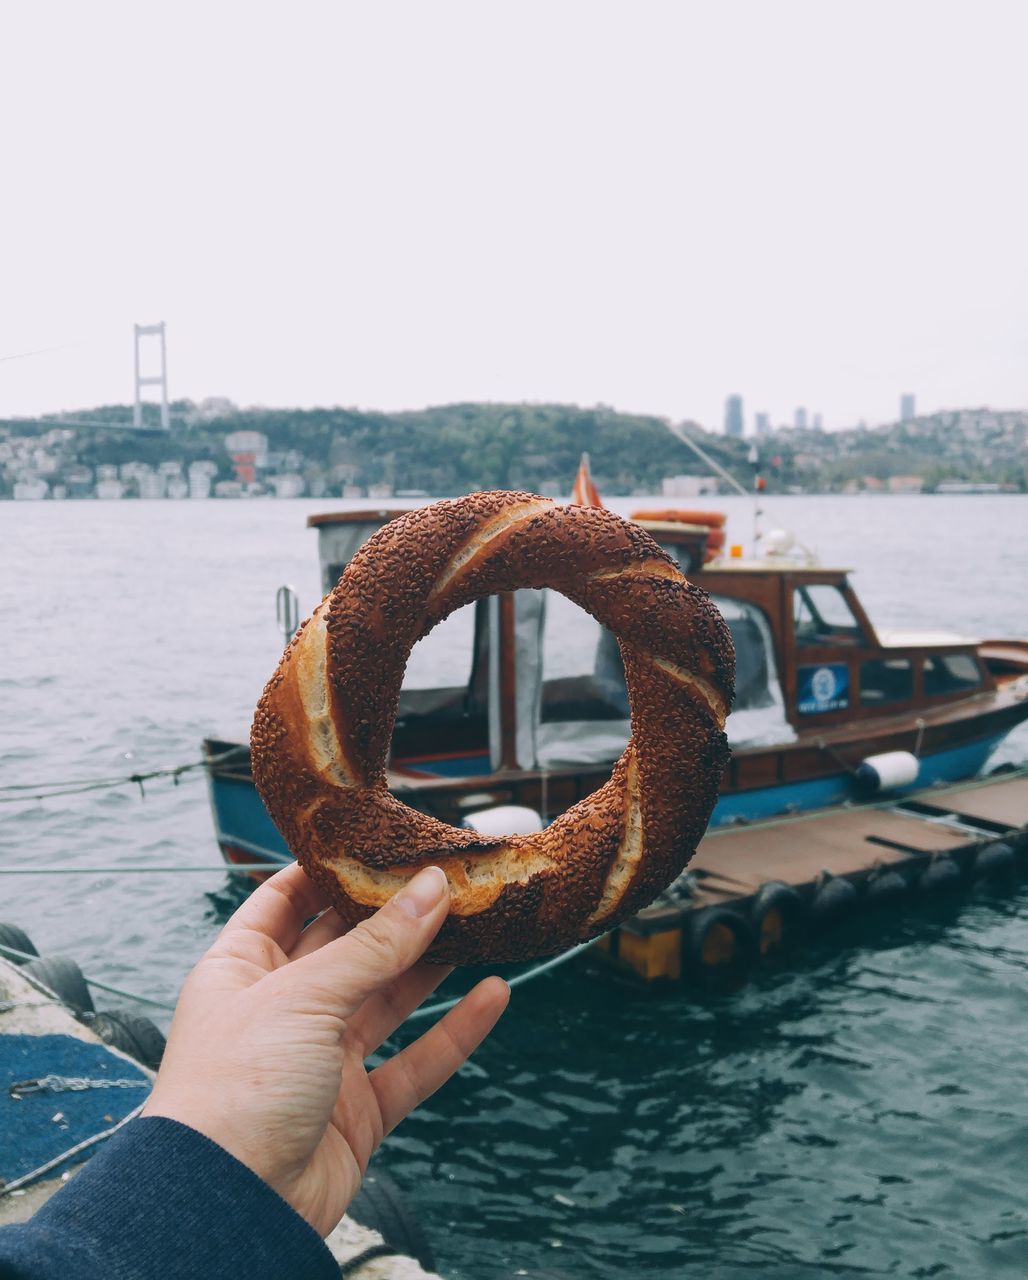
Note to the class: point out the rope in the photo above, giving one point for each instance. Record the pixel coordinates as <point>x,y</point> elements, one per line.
<point>14,954</point>
<point>827,747</point>
<point>7,1187</point>
<point>427,1011</point>
<point>17,792</point>
<point>236,868</point>
<point>354,1264</point>
<point>441,1006</point>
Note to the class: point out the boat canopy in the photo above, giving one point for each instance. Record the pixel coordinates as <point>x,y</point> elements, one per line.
<point>569,701</point>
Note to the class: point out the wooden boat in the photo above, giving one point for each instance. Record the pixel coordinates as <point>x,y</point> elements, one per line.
<point>520,699</point>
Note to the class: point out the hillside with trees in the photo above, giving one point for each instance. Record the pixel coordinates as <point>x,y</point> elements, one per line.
<point>456,448</point>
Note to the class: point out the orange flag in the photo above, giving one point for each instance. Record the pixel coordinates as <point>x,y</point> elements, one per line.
<point>584,493</point>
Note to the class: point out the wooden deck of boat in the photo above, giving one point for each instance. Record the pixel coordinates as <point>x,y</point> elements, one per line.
<point>904,835</point>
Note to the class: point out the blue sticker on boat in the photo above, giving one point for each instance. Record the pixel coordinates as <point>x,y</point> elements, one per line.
<point>823,688</point>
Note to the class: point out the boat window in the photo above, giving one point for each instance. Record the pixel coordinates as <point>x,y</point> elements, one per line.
<point>758,712</point>
<point>446,676</point>
<point>583,676</point>
<point>442,722</point>
<point>886,680</point>
<point>582,709</point>
<point>443,658</point>
<point>822,616</point>
<point>950,672</point>
<point>754,663</point>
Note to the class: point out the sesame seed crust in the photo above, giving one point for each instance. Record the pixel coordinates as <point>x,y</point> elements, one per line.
<point>323,727</point>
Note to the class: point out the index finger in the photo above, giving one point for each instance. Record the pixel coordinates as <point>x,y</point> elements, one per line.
<point>280,907</point>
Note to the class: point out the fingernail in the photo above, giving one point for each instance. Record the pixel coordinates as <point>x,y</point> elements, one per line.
<point>423,892</point>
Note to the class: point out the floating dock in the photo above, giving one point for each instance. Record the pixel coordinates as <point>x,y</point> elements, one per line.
<point>757,889</point>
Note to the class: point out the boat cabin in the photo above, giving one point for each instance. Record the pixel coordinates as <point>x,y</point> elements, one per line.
<point>520,699</point>
<point>528,681</point>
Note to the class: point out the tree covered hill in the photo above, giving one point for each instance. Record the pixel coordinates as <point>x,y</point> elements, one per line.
<point>456,448</point>
<point>446,449</point>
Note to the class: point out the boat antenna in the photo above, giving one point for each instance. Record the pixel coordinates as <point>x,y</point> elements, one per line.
<point>681,434</point>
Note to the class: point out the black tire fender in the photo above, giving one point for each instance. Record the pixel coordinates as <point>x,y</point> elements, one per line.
<point>834,900</point>
<point>721,945</point>
<point>778,916</point>
<point>140,1038</point>
<point>940,876</point>
<point>886,886</point>
<point>995,863</point>
<point>380,1206</point>
<point>64,978</point>
<point>18,940</point>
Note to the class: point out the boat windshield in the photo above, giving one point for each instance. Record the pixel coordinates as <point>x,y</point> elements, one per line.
<point>571,701</point>
<point>583,712</point>
<point>821,615</point>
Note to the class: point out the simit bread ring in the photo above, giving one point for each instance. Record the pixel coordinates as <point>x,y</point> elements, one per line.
<point>323,726</point>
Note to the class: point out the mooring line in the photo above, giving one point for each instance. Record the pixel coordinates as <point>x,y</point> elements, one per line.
<point>238,868</point>
<point>21,792</point>
<point>426,1011</point>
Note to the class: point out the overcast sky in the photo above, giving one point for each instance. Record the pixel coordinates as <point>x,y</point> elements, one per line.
<point>648,205</point>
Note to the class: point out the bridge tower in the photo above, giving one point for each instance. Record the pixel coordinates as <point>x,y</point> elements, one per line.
<point>161,379</point>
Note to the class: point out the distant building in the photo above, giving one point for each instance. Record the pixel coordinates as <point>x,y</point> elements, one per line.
<point>78,480</point>
<point>907,410</point>
<point>200,474</point>
<point>248,451</point>
<point>288,485</point>
<point>44,464</point>
<point>964,486</point>
<point>800,419</point>
<point>762,424</point>
<point>152,485</point>
<point>818,423</point>
<point>214,407</point>
<point>688,486</point>
<point>906,484</point>
<point>733,416</point>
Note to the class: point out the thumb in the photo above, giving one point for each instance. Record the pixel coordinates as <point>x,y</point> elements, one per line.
<point>343,973</point>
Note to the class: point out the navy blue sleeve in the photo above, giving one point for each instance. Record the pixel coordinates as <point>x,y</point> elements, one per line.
<point>162,1202</point>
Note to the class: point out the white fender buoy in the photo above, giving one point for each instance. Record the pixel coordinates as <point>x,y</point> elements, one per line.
<point>886,772</point>
<point>504,820</point>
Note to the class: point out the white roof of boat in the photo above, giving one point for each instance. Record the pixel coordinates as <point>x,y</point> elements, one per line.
<point>896,639</point>
<point>735,564</point>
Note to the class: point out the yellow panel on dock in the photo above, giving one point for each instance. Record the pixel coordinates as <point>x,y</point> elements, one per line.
<point>658,956</point>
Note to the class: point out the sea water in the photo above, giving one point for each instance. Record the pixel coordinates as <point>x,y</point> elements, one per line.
<point>861,1113</point>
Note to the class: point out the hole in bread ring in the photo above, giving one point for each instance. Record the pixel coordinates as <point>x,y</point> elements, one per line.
<point>323,727</point>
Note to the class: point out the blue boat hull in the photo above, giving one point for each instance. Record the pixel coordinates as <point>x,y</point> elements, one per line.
<point>821,793</point>
<point>246,832</point>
